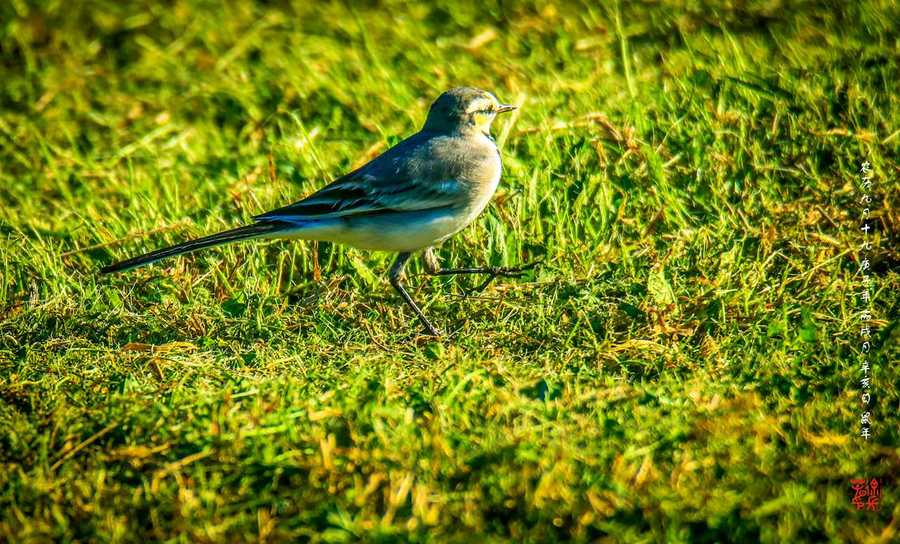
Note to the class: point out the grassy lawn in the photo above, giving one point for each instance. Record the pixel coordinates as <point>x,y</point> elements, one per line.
<point>683,366</point>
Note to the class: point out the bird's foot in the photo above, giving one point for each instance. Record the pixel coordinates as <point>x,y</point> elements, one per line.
<point>502,272</point>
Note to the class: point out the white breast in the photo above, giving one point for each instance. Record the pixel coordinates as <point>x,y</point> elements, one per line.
<point>486,183</point>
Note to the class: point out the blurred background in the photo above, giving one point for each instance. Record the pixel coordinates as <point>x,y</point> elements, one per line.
<point>683,366</point>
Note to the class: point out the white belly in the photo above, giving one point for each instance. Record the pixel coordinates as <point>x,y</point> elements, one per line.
<point>397,232</point>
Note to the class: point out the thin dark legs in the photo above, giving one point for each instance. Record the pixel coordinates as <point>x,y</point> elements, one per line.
<point>434,268</point>
<point>395,276</point>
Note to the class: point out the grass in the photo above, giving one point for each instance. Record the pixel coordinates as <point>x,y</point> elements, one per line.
<point>683,367</point>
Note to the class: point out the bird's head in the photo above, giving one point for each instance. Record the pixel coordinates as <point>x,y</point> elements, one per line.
<point>465,108</point>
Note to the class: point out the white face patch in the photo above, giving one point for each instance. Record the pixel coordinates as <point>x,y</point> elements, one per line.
<point>483,105</point>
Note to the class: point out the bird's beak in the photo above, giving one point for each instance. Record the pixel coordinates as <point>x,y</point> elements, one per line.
<point>503,108</point>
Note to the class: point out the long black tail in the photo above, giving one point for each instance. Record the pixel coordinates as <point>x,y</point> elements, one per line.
<point>246,232</point>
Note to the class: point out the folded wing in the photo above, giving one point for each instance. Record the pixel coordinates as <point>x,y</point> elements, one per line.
<point>408,177</point>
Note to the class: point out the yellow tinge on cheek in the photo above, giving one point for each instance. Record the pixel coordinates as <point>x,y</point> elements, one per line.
<point>482,120</point>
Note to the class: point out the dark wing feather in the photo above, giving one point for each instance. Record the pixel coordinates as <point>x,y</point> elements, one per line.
<point>416,174</point>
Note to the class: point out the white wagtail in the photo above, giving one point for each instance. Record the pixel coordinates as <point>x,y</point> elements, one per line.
<point>414,196</point>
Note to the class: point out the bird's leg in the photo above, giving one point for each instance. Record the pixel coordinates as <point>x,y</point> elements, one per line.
<point>395,275</point>
<point>433,266</point>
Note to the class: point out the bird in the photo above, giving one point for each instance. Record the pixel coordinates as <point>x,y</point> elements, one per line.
<point>410,198</point>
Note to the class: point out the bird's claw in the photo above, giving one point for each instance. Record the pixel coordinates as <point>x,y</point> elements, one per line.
<point>494,272</point>
<point>515,272</point>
